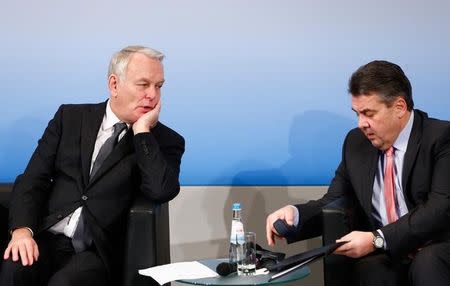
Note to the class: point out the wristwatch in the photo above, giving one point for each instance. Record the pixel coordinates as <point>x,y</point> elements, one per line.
<point>378,240</point>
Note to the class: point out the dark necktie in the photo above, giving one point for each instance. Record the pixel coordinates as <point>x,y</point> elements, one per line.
<point>82,238</point>
<point>107,147</point>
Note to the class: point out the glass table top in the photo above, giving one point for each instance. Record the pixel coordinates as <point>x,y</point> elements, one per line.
<point>234,279</point>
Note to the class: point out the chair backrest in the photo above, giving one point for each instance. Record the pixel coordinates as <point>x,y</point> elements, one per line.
<point>5,190</point>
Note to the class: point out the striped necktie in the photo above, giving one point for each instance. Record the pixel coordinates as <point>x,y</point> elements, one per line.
<point>389,186</point>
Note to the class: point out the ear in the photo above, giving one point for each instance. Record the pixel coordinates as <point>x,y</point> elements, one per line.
<point>400,107</point>
<point>113,83</point>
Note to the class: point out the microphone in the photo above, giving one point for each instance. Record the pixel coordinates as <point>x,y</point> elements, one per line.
<point>284,229</point>
<point>225,268</point>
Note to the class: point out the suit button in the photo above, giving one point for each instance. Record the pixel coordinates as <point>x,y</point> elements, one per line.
<point>145,148</point>
<point>84,198</point>
<point>59,216</point>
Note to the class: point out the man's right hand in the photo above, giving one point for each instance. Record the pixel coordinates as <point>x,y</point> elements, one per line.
<point>287,213</point>
<point>148,120</point>
<point>22,245</point>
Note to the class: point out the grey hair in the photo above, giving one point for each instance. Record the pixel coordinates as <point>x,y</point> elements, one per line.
<point>120,60</point>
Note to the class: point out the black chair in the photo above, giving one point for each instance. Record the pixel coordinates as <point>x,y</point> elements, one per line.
<point>339,218</point>
<point>147,241</point>
<point>4,199</point>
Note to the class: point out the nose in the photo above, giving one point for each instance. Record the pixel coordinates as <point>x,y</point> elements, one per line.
<point>151,92</point>
<point>362,122</point>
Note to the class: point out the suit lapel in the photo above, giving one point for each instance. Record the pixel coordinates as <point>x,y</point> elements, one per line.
<point>91,121</point>
<point>413,148</point>
<point>369,168</point>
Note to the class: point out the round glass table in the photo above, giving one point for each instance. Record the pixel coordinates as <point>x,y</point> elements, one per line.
<point>234,279</point>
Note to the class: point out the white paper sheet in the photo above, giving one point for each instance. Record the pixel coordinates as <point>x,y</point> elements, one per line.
<point>180,270</point>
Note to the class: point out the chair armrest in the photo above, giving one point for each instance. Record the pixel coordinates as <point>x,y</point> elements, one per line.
<point>339,218</point>
<point>147,241</point>
<point>5,192</point>
<point>4,205</point>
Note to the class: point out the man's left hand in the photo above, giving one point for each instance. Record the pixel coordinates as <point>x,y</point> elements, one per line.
<point>360,243</point>
<point>148,120</point>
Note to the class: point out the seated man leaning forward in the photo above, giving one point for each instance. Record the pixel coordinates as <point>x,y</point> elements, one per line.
<point>396,166</point>
<point>68,207</point>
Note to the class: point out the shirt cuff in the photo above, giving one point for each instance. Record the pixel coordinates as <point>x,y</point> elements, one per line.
<point>296,215</point>
<point>29,229</point>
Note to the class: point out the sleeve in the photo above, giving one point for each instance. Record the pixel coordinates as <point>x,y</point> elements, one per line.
<point>159,164</point>
<point>30,189</point>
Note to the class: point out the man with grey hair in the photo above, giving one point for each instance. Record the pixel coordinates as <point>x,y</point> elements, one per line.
<point>67,208</point>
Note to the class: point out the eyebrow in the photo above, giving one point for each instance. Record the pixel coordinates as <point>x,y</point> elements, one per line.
<point>146,80</point>
<point>363,111</point>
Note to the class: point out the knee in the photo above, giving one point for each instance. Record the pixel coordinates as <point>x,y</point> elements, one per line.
<point>11,272</point>
<point>14,267</point>
<point>59,279</point>
<point>425,260</point>
<point>63,278</point>
<point>373,270</point>
<point>429,262</point>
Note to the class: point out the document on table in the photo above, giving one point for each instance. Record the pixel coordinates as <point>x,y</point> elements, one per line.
<point>180,270</point>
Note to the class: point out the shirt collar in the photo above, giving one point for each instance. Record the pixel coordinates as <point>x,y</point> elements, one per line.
<point>110,118</point>
<point>402,140</point>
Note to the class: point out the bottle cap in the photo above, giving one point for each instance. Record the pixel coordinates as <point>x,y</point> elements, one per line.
<point>236,206</point>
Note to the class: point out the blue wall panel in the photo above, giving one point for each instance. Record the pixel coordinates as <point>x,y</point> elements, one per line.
<point>257,88</point>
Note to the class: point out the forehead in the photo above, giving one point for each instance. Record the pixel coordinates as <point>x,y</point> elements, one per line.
<point>365,102</point>
<point>141,65</point>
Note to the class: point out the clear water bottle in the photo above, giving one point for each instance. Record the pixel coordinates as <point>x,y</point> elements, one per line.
<point>237,234</point>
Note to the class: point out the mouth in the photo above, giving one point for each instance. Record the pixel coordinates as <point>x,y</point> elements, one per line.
<point>145,108</point>
<point>370,136</point>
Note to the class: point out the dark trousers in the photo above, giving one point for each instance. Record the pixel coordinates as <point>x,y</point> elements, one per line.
<point>57,265</point>
<point>430,266</point>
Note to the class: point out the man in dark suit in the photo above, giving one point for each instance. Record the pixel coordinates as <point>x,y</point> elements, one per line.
<point>395,165</point>
<point>68,208</point>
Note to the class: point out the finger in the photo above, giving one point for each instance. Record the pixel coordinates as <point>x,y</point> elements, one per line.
<point>157,110</point>
<point>346,237</point>
<point>154,112</point>
<point>36,252</point>
<point>289,215</point>
<point>7,252</point>
<point>15,252</point>
<point>343,251</point>
<point>289,220</point>
<point>269,232</point>
<point>158,106</point>
<point>23,254</point>
<point>30,252</point>
<point>345,247</point>
<point>271,240</point>
<point>339,250</point>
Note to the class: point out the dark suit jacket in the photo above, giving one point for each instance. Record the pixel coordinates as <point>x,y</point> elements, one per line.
<point>56,180</point>
<point>425,180</point>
